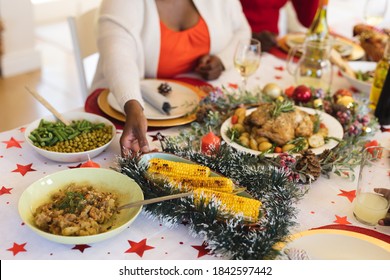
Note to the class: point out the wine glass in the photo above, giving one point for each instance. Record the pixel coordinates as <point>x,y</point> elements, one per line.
<point>374,11</point>
<point>247,58</point>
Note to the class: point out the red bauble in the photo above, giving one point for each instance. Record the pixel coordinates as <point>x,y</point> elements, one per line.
<point>302,94</point>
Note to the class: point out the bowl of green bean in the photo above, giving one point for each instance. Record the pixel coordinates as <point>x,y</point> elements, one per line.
<point>87,136</point>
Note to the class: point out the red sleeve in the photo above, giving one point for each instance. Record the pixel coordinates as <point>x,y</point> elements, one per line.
<point>263,14</point>
<point>306,10</point>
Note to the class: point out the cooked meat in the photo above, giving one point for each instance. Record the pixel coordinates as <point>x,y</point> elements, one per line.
<point>305,124</point>
<point>283,128</point>
<point>279,130</point>
<point>261,115</point>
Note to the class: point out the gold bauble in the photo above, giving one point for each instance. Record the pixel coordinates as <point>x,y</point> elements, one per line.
<point>346,101</point>
<point>318,104</point>
<point>272,90</point>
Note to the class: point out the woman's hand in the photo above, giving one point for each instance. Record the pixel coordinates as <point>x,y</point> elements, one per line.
<point>209,67</point>
<point>267,40</point>
<point>386,194</point>
<point>133,137</point>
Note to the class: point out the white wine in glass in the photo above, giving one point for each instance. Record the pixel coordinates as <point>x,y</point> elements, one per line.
<point>247,58</point>
<point>374,11</point>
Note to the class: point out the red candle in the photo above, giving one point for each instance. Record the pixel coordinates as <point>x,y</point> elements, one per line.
<point>210,143</point>
<point>90,163</point>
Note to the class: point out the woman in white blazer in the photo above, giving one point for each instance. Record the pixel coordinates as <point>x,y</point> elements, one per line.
<point>129,42</point>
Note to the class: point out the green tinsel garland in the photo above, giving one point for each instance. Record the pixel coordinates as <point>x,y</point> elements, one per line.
<point>230,238</point>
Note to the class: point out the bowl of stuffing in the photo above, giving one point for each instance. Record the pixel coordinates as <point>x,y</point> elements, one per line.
<point>80,205</point>
<point>87,136</point>
<point>364,75</point>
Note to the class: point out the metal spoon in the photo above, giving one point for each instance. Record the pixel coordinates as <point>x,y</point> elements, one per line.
<point>153,200</point>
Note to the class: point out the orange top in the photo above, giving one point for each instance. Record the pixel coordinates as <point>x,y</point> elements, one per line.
<point>181,49</point>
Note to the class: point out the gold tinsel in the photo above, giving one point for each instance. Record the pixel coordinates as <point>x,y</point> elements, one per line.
<point>309,166</point>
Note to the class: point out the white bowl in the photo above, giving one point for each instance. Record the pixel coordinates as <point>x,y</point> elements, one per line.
<point>70,157</point>
<point>363,66</point>
<point>101,179</point>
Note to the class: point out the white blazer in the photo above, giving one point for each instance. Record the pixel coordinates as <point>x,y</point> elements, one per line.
<point>129,41</point>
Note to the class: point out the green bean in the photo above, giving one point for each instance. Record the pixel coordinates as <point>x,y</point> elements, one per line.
<point>81,135</point>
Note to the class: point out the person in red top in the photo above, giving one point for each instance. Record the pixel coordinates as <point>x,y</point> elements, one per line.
<point>263,17</point>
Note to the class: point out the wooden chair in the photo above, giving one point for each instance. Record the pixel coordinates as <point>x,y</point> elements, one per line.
<point>82,28</point>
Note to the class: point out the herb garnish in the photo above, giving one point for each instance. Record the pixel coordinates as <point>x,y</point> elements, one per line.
<point>73,202</point>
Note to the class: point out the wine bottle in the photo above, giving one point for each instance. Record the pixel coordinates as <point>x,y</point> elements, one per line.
<point>382,111</point>
<point>319,30</point>
<point>380,74</point>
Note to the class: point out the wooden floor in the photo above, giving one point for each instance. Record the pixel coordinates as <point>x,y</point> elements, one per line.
<point>57,81</point>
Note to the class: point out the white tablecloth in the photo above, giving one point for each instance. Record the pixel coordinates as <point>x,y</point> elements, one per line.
<point>328,201</point>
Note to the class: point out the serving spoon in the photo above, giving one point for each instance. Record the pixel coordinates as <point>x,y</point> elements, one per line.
<point>153,200</point>
<point>48,106</point>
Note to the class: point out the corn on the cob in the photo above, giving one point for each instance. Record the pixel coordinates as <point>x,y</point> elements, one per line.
<point>221,184</point>
<point>157,165</point>
<point>233,204</point>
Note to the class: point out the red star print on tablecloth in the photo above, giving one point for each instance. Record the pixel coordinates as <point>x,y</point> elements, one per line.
<point>22,129</point>
<point>17,248</point>
<point>138,247</point>
<point>23,169</point>
<point>341,220</point>
<point>202,249</point>
<point>234,86</point>
<point>81,247</point>
<point>156,137</point>
<point>350,195</point>
<point>5,190</point>
<point>13,143</point>
<point>279,68</point>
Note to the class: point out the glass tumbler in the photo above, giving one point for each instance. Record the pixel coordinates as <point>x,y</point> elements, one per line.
<point>372,199</point>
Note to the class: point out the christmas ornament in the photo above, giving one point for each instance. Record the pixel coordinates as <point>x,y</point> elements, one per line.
<point>340,93</point>
<point>318,103</point>
<point>346,101</point>
<point>272,90</point>
<point>302,94</point>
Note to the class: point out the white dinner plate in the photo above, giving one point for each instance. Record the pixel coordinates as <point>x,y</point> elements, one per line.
<point>334,130</point>
<point>331,244</point>
<point>182,99</point>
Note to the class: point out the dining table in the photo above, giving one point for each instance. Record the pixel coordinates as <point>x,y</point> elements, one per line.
<point>327,204</point>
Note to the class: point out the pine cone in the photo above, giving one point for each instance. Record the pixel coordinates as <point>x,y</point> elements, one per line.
<point>202,112</point>
<point>327,157</point>
<point>164,89</point>
<point>308,164</point>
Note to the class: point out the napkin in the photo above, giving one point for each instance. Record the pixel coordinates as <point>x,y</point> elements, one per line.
<point>154,98</point>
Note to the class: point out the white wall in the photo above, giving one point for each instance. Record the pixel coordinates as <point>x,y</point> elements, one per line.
<point>55,10</point>
<point>19,53</point>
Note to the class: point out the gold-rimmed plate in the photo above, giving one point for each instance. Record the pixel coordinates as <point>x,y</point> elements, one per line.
<point>346,47</point>
<point>104,105</point>
<point>331,244</point>
<point>182,98</point>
